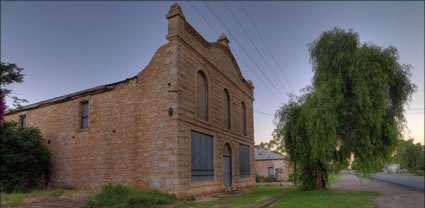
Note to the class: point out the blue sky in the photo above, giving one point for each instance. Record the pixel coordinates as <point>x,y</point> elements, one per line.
<point>65,47</point>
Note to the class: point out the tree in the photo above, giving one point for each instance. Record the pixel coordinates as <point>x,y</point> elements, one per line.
<point>25,161</point>
<point>273,145</point>
<point>9,74</point>
<point>354,105</point>
<point>410,156</point>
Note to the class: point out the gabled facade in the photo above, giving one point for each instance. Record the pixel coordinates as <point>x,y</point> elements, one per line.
<point>184,124</point>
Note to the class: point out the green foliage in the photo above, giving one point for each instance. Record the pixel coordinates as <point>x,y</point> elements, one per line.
<point>314,199</point>
<point>410,156</point>
<point>275,145</point>
<point>25,161</point>
<point>9,74</point>
<point>354,105</point>
<point>270,179</point>
<point>191,198</point>
<point>121,196</point>
<point>15,199</point>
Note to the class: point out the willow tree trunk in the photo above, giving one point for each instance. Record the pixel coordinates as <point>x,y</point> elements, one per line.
<point>295,173</point>
<point>320,181</point>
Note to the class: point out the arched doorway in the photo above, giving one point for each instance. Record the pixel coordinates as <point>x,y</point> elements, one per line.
<point>227,165</point>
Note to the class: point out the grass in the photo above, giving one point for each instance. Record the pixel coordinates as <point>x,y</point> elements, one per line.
<point>239,199</point>
<point>121,196</point>
<point>13,200</point>
<point>16,199</point>
<point>334,199</point>
<point>54,194</point>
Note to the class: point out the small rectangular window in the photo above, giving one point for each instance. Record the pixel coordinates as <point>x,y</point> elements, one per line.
<point>271,172</point>
<point>84,115</point>
<point>23,120</point>
<point>244,166</point>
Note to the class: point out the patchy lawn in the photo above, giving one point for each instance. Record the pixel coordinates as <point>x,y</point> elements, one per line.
<point>120,196</point>
<point>242,199</point>
<point>46,198</point>
<point>334,199</point>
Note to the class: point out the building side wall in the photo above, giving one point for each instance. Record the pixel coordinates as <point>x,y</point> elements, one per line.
<point>130,140</point>
<point>87,158</point>
<point>262,168</point>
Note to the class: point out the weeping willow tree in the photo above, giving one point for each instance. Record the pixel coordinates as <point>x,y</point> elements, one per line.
<point>354,105</point>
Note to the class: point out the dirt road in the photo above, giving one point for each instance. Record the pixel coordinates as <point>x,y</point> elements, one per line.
<point>392,196</point>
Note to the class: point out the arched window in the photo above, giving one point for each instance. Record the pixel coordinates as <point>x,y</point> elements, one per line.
<point>202,96</point>
<point>243,118</point>
<point>226,109</point>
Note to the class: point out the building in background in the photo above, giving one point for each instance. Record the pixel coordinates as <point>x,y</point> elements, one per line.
<point>183,125</point>
<point>270,164</point>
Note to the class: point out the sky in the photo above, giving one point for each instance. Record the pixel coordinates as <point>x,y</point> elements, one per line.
<point>65,47</point>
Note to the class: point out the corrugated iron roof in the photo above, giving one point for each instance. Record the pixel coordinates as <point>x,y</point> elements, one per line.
<point>262,154</point>
<point>71,96</point>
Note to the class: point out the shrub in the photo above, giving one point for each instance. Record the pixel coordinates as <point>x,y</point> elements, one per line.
<point>25,161</point>
<point>190,198</point>
<point>121,196</point>
<point>270,179</point>
<point>291,177</point>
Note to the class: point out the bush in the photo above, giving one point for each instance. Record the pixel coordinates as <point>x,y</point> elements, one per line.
<point>25,161</point>
<point>257,178</point>
<point>190,198</point>
<point>291,177</point>
<point>270,179</point>
<point>121,196</point>
<point>419,172</point>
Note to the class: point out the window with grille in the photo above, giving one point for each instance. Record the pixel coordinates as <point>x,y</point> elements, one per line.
<point>244,167</point>
<point>202,161</point>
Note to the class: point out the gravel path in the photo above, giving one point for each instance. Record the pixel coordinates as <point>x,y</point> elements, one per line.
<point>392,196</point>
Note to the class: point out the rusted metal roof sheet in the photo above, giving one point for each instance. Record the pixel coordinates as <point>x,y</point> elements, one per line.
<point>64,98</point>
<point>262,154</point>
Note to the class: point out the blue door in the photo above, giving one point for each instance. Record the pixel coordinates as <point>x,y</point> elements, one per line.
<point>227,171</point>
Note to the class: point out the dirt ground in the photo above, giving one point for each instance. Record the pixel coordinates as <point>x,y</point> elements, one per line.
<point>391,196</point>
<point>71,199</point>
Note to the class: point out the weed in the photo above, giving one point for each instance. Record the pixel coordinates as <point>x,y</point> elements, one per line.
<point>15,199</point>
<point>121,196</point>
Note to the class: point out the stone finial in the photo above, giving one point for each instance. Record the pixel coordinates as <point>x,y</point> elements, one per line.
<point>175,9</point>
<point>223,40</point>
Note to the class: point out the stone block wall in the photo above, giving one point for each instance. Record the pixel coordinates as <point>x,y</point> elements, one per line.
<point>139,129</point>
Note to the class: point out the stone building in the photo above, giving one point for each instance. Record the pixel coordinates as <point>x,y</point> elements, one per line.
<point>270,164</point>
<point>184,124</point>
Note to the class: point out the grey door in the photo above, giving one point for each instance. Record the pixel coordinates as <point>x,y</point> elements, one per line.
<point>227,171</point>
